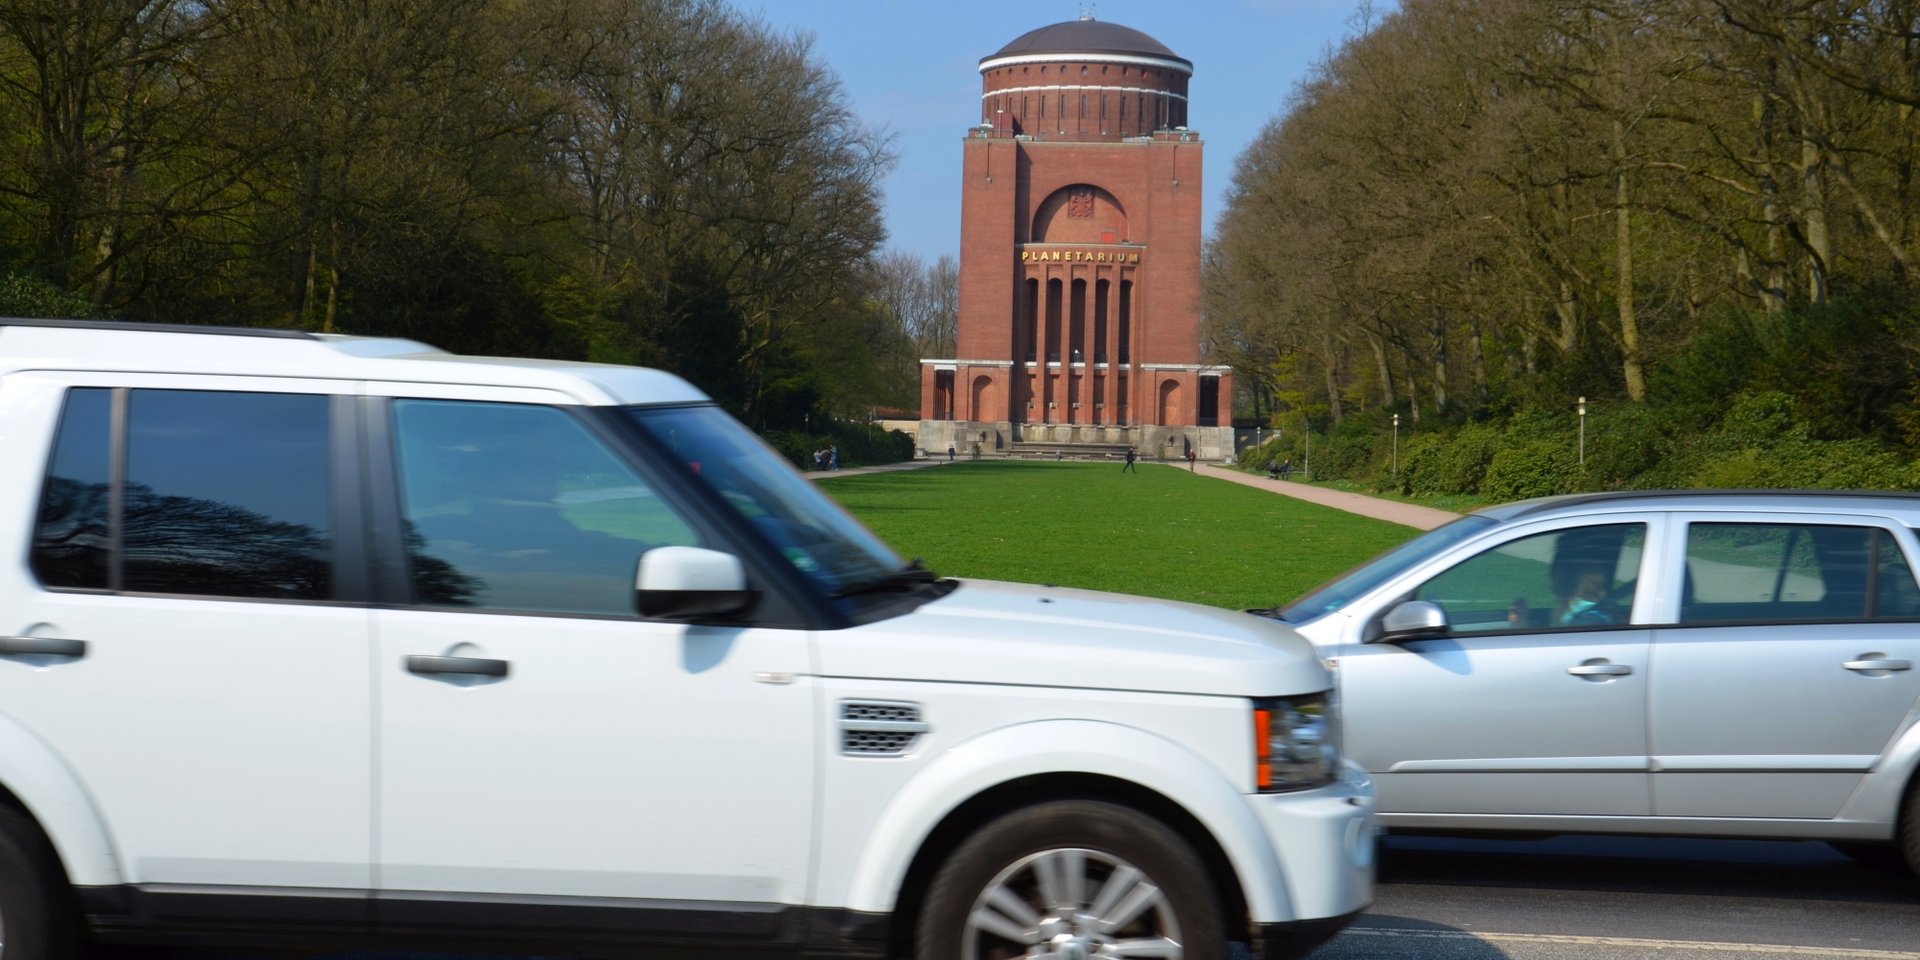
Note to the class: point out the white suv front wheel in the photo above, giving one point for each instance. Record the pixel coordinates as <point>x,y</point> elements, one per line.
<point>1072,880</point>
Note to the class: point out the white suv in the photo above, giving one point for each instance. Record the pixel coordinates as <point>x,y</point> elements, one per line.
<point>310,639</point>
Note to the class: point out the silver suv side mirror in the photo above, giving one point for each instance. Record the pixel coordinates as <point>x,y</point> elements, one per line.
<point>690,583</point>
<point>1413,620</point>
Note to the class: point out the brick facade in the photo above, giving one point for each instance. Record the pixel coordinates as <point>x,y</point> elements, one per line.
<point>1080,255</point>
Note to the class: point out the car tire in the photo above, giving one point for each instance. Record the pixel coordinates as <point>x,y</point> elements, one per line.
<point>1114,873</point>
<point>38,920</point>
<point>1908,840</point>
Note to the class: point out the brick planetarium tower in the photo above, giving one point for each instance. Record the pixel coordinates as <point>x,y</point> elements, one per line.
<point>1079,301</point>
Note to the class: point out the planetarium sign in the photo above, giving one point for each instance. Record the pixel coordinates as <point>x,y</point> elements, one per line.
<point>1079,256</point>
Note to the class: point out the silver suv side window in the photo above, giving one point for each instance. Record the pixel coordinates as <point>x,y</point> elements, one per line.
<point>220,495</point>
<point>520,507</point>
<point>1751,572</point>
<point>1576,578</point>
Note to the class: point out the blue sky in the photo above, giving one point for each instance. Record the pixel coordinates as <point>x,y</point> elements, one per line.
<point>911,67</point>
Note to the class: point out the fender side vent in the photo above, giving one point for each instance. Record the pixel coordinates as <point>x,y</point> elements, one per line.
<point>879,728</point>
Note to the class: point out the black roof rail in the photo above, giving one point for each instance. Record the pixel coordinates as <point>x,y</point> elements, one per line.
<point>1578,499</point>
<point>267,332</point>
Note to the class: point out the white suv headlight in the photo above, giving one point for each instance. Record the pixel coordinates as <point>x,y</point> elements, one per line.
<point>1296,743</point>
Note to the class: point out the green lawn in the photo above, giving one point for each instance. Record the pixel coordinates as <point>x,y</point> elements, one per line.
<point>1160,532</point>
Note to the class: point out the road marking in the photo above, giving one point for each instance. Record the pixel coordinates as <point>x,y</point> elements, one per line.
<point>1838,953</point>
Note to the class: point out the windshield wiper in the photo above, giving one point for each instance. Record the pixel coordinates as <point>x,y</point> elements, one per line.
<point>910,577</point>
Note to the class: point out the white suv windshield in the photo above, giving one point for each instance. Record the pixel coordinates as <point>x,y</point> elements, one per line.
<point>819,538</point>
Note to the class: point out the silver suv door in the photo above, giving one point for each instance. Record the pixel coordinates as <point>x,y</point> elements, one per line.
<point>1535,701</point>
<point>1791,667</point>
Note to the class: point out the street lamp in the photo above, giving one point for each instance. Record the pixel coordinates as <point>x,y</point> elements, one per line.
<point>1396,445</point>
<point>1582,408</point>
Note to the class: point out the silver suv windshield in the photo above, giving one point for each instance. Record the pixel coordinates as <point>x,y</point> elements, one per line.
<point>815,535</point>
<point>1345,588</point>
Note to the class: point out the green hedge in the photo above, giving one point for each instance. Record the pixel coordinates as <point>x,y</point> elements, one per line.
<point>861,444</point>
<point>27,296</point>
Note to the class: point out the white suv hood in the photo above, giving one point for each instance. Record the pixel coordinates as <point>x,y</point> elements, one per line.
<point>1013,633</point>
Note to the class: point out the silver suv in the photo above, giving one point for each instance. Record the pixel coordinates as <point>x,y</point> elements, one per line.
<point>1722,663</point>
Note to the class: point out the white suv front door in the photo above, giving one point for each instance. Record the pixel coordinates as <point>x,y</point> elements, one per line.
<point>541,744</point>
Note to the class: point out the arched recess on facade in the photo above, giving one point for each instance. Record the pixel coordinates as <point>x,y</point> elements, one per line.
<point>986,399</point>
<point>1169,402</point>
<point>1080,213</point>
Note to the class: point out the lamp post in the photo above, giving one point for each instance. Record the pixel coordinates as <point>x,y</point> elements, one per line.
<point>1582,408</point>
<point>1396,446</point>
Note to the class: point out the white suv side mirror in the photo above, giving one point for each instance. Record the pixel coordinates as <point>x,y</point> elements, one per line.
<point>690,583</point>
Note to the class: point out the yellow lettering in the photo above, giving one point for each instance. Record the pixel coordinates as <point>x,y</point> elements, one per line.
<point>1133,258</point>
<point>1025,256</point>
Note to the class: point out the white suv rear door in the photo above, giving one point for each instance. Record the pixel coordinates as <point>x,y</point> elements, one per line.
<point>186,642</point>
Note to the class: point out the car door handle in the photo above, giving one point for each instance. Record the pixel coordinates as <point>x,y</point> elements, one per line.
<point>476,666</point>
<point>1600,670</point>
<point>45,646</point>
<point>1878,664</point>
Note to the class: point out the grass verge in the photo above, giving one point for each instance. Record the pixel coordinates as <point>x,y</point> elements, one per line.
<point>1160,532</point>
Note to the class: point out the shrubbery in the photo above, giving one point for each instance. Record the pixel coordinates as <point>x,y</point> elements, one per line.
<point>26,296</point>
<point>861,444</point>
<point>1818,399</point>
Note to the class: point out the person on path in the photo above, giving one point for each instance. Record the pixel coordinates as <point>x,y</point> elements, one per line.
<point>833,456</point>
<point>819,459</point>
<point>1286,468</point>
<point>1191,460</point>
<point>1273,469</point>
<point>1129,466</point>
<point>949,453</point>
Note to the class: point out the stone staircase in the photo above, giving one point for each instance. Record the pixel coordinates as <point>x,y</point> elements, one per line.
<point>1052,450</point>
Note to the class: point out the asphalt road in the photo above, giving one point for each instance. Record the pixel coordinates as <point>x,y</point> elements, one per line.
<point>1630,898</point>
<point>1580,898</point>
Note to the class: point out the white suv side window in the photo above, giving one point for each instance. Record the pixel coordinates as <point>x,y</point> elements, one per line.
<point>520,507</point>
<point>222,495</point>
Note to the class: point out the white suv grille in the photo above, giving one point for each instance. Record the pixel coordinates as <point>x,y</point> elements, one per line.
<point>879,728</point>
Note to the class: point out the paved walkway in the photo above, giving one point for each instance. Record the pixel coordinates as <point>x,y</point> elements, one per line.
<point>1409,514</point>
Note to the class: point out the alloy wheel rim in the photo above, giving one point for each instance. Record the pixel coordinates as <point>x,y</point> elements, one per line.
<point>1071,903</point>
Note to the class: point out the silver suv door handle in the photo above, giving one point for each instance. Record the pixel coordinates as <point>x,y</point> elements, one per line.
<point>46,646</point>
<point>477,666</point>
<point>1878,664</point>
<point>1600,670</point>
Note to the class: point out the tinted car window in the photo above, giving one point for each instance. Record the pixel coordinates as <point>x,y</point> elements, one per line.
<point>227,495</point>
<point>71,542</point>
<point>1565,579</point>
<point>1738,572</point>
<point>517,507</point>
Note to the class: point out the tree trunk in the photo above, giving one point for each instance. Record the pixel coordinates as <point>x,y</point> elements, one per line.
<point>1437,328</point>
<point>1413,388</point>
<point>1631,370</point>
<point>1814,195</point>
<point>1331,361</point>
<point>1386,370</point>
